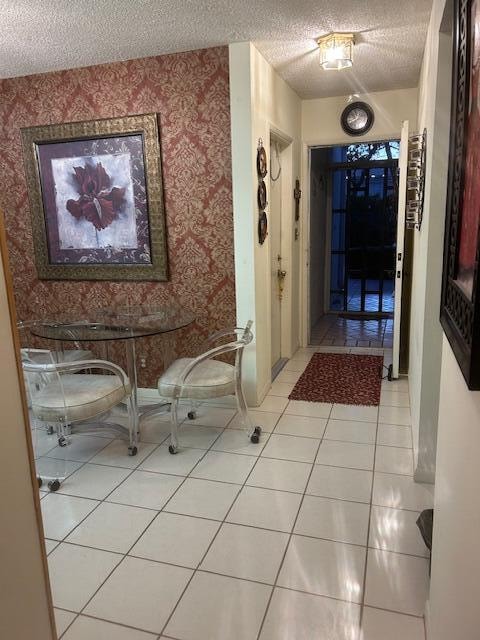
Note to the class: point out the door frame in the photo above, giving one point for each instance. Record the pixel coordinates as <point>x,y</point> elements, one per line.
<point>286,242</point>
<point>25,555</point>
<point>307,146</point>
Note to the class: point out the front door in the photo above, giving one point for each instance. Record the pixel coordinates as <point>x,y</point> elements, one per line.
<point>275,232</point>
<point>364,216</point>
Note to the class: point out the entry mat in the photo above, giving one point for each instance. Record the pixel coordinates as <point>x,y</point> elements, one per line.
<point>343,378</point>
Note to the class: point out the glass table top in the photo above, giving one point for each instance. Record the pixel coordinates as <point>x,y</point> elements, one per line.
<point>114,323</point>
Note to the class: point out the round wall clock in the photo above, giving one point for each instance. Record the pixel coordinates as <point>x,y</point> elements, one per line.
<point>357,118</point>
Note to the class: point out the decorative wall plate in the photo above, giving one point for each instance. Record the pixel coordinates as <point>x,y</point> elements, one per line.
<point>262,195</point>
<point>261,160</point>
<point>262,227</point>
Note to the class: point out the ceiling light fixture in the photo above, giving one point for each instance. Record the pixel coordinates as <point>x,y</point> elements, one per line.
<point>336,51</point>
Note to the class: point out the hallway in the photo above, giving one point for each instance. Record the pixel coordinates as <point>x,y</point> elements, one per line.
<point>334,330</point>
<point>297,537</point>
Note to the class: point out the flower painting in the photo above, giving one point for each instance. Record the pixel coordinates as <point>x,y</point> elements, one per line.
<point>96,211</point>
<point>97,203</point>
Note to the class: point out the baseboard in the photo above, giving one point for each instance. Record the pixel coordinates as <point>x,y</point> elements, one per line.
<point>278,367</point>
<point>427,619</point>
<point>427,476</point>
<point>263,393</point>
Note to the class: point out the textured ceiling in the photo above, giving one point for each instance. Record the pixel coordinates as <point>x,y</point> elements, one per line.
<point>40,35</point>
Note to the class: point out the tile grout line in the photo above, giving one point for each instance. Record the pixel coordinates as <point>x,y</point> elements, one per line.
<point>315,595</point>
<point>121,554</point>
<point>189,475</point>
<point>291,534</point>
<point>138,538</point>
<point>197,569</point>
<point>364,585</point>
<point>220,522</point>
<point>83,519</point>
<point>104,499</point>
<point>364,582</point>
<point>133,470</point>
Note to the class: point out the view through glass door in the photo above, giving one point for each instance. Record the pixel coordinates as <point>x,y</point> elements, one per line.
<point>363,228</point>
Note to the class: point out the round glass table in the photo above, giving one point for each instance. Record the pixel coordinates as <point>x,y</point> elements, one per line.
<point>116,323</point>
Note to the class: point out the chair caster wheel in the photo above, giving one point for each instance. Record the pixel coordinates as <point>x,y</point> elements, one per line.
<point>132,451</point>
<point>390,372</point>
<point>255,437</point>
<point>191,415</point>
<point>39,481</point>
<point>62,442</point>
<point>172,449</point>
<point>54,485</point>
<point>49,431</point>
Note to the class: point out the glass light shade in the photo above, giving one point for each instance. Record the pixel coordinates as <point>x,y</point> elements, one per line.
<point>336,51</point>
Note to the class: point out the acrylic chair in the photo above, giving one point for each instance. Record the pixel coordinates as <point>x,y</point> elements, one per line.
<point>203,378</point>
<point>46,356</point>
<point>42,356</point>
<point>63,400</point>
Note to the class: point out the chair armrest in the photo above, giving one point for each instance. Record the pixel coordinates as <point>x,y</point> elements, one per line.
<point>226,332</point>
<point>226,348</point>
<point>79,365</point>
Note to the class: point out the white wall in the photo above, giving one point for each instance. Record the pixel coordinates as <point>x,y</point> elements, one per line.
<point>425,329</point>
<point>24,599</point>
<point>261,102</point>
<point>243,218</point>
<point>321,118</point>
<point>455,584</point>
<point>454,587</point>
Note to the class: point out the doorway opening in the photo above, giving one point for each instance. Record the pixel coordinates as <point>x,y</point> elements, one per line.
<point>353,227</point>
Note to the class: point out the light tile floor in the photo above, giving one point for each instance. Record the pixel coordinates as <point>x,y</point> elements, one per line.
<point>309,534</point>
<point>336,330</point>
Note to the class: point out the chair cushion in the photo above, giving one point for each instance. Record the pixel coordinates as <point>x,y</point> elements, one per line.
<point>44,356</point>
<point>209,379</point>
<point>86,395</point>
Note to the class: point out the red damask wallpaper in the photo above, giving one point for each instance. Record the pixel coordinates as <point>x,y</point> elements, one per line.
<point>190,92</point>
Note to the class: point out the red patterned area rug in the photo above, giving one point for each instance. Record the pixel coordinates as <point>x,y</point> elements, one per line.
<point>342,378</point>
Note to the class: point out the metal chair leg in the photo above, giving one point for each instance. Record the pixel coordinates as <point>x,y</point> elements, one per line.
<point>132,427</point>
<point>173,448</point>
<point>253,432</point>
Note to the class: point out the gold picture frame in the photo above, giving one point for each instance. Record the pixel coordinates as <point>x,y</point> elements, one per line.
<point>96,199</point>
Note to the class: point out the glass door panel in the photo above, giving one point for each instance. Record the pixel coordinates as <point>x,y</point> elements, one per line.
<point>363,231</point>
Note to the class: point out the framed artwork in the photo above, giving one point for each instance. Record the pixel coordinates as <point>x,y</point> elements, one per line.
<point>460,308</point>
<point>96,199</point>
